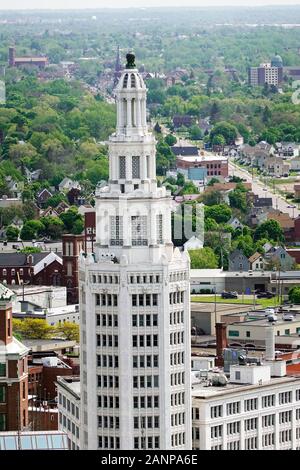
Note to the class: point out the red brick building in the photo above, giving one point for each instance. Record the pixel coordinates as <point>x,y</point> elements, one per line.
<point>37,268</point>
<point>13,371</point>
<point>14,61</point>
<point>89,230</point>
<point>214,164</point>
<point>72,246</point>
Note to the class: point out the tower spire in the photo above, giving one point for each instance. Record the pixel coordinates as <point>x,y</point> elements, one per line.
<point>118,67</point>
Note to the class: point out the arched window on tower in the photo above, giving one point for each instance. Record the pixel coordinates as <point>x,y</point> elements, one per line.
<point>133,81</point>
<point>125,82</point>
<point>148,166</point>
<point>159,229</point>
<point>136,167</point>
<point>122,167</point>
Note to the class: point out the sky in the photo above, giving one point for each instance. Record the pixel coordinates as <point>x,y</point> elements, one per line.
<point>83,4</point>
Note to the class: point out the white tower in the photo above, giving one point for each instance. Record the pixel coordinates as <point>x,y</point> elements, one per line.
<point>134,296</point>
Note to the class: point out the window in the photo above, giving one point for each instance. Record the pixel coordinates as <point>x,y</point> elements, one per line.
<point>122,167</point>
<point>2,422</point>
<point>250,404</point>
<point>3,370</point>
<point>139,230</point>
<point>216,411</point>
<point>233,408</point>
<point>285,397</point>
<point>268,400</point>
<point>2,394</point>
<point>233,333</point>
<point>159,229</point>
<point>116,230</point>
<point>136,167</point>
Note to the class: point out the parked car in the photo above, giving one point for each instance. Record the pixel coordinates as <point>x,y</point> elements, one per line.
<point>265,295</point>
<point>229,295</point>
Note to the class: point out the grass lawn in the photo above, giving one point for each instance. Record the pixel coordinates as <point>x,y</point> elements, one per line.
<point>247,301</point>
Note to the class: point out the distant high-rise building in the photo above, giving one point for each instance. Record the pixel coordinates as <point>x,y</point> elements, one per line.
<point>270,73</point>
<point>134,298</point>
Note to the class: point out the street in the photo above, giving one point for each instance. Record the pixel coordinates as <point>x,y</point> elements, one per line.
<point>262,191</point>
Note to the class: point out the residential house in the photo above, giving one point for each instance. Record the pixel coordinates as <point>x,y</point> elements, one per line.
<point>74,197</point>
<point>15,188</point>
<point>235,223</point>
<point>49,212</point>
<point>62,207</point>
<point>238,261</point>
<point>259,202</point>
<point>274,166</point>
<point>257,262</point>
<point>66,184</point>
<point>287,149</point>
<point>194,243</point>
<point>182,121</point>
<point>32,175</point>
<point>294,164</point>
<point>43,196</point>
<point>278,257</point>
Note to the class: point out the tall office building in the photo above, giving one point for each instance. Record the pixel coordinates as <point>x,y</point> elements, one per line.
<point>134,296</point>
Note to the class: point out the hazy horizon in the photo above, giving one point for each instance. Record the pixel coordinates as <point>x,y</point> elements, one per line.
<point>95,4</point>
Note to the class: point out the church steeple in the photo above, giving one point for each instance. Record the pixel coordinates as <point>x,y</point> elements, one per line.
<point>118,67</point>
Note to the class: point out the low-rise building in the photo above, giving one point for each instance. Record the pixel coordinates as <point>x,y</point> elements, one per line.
<point>253,410</point>
<point>68,391</point>
<point>237,261</point>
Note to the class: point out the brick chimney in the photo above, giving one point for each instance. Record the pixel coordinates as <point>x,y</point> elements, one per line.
<point>221,343</point>
<point>6,296</point>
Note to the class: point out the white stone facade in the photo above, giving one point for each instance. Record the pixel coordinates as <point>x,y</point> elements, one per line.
<point>134,297</point>
<point>68,392</point>
<point>261,416</point>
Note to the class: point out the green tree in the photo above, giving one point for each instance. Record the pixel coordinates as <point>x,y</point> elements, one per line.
<point>294,295</point>
<point>12,233</point>
<point>195,133</point>
<point>203,258</point>
<point>271,230</point>
<point>221,213</point>
<point>228,131</point>
<point>53,227</point>
<point>69,331</point>
<point>33,328</point>
<point>72,220</point>
<point>27,233</point>
<point>170,140</point>
<point>238,199</point>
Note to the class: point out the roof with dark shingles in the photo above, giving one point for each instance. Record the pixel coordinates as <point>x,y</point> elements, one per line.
<point>184,151</point>
<point>20,259</point>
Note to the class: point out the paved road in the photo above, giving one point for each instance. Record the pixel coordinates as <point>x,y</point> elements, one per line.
<point>261,190</point>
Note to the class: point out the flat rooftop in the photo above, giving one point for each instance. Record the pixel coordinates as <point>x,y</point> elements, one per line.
<point>201,391</point>
<point>70,383</point>
<point>259,318</point>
